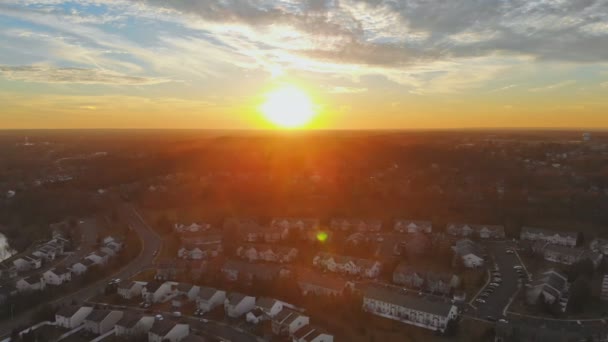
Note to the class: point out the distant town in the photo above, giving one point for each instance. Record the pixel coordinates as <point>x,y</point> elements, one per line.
<point>305,237</point>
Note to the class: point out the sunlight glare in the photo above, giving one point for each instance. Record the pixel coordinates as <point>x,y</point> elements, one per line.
<point>288,107</point>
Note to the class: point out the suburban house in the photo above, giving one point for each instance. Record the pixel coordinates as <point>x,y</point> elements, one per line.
<point>410,226</point>
<point>310,333</point>
<point>210,298</point>
<point>171,269</point>
<point>207,238</point>
<point>557,238</point>
<point>26,263</point>
<point>99,322</point>
<point>311,282</point>
<point>129,289</point>
<point>476,230</point>
<point>98,258</point>
<point>420,278</point>
<point>57,275</point>
<point>46,252</point>
<point>391,302</point>
<point>288,321</point>
<point>133,325</point>
<point>356,225</point>
<point>191,228</point>
<point>234,270</point>
<point>31,283</point>
<point>565,255</point>
<point>469,253</point>
<point>82,266</point>
<point>269,253</point>
<point>237,304</point>
<point>551,284</point>
<point>347,265</point>
<point>155,292</point>
<point>599,246</point>
<point>72,316</point>
<point>190,291</point>
<point>269,306</point>
<point>198,252</point>
<point>260,234</point>
<point>296,224</point>
<point>168,331</point>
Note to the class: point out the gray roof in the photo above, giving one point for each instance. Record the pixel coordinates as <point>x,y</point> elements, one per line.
<point>235,297</point>
<point>266,302</point>
<point>129,320</point>
<point>465,247</point>
<point>398,296</point>
<point>153,286</point>
<point>162,328</point>
<point>68,311</point>
<point>207,292</point>
<point>98,315</point>
<point>548,232</point>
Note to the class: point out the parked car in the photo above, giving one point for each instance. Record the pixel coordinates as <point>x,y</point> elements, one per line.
<point>479,300</point>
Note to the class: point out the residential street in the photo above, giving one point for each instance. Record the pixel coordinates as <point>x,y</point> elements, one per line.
<point>151,242</point>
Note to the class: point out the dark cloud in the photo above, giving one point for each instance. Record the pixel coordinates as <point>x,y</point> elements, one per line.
<point>553,30</point>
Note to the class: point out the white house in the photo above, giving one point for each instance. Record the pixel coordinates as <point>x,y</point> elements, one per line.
<point>128,289</point>
<point>288,321</point>
<point>269,306</point>
<point>478,230</point>
<point>554,237</point>
<point>98,258</point>
<point>82,266</point>
<point>391,302</point>
<point>599,246</point>
<point>57,276</point>
<point>26,263</point>
<point>199,252</point>
<point>100,322</point>
<point>347,265</point>
<point>269,253</point>
<point>189,290</point>
<point>411,226</point>
<point>421,278</point>
<point>238,304</point>
<point>155,292</point>
<point>210,298</point>
<point>168,331</point>
<point>31,283</point>
<point>356,225</point>
<point>311,282</point>
<point>133,325</point>
<point>312,334</point>
<point>469,253</point>
<point>551,284</point>
<point>72,316</point>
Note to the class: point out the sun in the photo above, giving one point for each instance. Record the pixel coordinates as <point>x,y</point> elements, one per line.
<point>288,107</point>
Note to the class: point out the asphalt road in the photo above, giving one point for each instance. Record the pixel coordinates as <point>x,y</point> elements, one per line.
<point>151,242</point>
<point>497,301</point>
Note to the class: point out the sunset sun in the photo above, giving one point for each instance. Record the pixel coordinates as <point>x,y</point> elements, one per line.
<point>288,107</point>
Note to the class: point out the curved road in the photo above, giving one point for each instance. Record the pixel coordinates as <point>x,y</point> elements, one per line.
<point>151,242</point>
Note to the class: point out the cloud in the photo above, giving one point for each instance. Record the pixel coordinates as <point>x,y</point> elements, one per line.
<point>47,74</point>
<point>604,85</point>
<point>347,90</point>
<point>554,86</point>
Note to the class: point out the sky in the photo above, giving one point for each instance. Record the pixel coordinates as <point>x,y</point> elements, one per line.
<point>366,64</point>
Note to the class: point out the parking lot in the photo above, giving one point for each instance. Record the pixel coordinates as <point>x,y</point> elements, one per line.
<point>504,283</point>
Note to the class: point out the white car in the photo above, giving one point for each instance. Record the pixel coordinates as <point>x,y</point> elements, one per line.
<point>494,284</point>
<point>479,300</point>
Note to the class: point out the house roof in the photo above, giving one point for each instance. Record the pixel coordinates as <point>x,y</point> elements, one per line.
<point>59,270</point>
<point>552,281</point>
<point>87,262</point>
<point>153,286</point>
<point>548,232</point>
<point>184,287</point>
<point>129,320</point>
<point>563,250</point>
<point>342,259</point>
<point>266,302</point>
<point>32,279</point>
<point>465,247</point>
<point>162,328</point>
<point>98,315</point>
<point>68,311</point>
<point>257,270</point>
<point>398,296</point>
<point>417,223</point>
<point>126,284</point>
<point>287,316</point>
<point>206,293</point>
<point>308,333</point>
<point>236,297</point>
<point>407,268</point>
<point>321,280</point>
